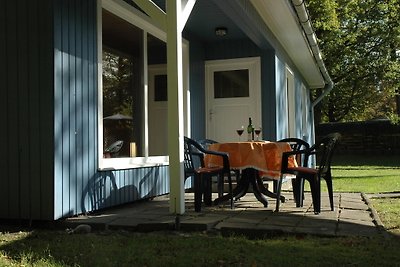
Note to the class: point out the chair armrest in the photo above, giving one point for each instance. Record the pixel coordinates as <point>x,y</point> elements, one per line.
<point>224,155</point>
<point>286,155</point>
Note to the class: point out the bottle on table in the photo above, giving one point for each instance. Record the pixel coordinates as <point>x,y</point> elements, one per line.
<point>250,131</point>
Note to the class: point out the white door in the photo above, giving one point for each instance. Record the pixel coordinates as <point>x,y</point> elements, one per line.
<point>233,94</point>
<point>158,110</point>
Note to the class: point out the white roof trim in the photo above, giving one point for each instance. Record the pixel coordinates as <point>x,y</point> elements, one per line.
<point>282,22</point>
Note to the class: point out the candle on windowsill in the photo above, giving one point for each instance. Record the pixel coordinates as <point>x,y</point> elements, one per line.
<point>133,149</point>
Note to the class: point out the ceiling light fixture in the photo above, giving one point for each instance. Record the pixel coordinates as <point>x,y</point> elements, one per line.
<point>221,31</point>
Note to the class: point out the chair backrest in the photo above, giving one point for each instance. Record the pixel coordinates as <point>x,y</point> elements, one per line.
<point>298,144</point>
<point>114,148</point>
<point>193,156</point>
<point>324,151</point>
<point>188,157</point>
<point>205,143</point>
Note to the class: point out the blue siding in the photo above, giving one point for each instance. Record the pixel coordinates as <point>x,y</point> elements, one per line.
<point>281,105</point>
<point>75,87</point>
<point>111,188</point>
<point>79,186</point>
<point>197,90</point>
<point>268,95</point>
<point>231,49</point>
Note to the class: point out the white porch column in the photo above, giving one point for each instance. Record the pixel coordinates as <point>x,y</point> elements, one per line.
<point>175,107</point>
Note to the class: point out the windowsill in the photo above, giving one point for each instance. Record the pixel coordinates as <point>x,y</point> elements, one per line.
<point>107,164</point>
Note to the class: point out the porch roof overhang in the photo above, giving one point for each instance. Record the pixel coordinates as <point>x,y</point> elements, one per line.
<point>280,18</point>
<point>289,21</point>
<point>283,24</point>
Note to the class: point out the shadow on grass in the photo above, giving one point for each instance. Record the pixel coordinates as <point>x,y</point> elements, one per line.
<point>275,233</point>
<point>56,248</point>
<point>361,176</point>
<point>366,160</point>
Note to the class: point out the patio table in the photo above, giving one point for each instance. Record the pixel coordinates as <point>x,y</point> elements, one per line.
<point>255,160</point>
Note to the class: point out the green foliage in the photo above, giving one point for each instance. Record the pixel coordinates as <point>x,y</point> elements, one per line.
<point>360,42</point>
<point>117,84</point>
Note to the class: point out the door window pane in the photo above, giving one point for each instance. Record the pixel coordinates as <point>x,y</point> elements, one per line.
<point>232,83</point>
<point>160,86</point>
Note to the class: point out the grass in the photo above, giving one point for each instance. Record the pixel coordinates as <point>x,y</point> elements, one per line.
<point>366,174</point>
<point>389,212</point>
<point>44,248</point>
<point>20,247</point>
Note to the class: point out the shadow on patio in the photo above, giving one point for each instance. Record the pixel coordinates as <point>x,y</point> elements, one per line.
<point>353,216</point>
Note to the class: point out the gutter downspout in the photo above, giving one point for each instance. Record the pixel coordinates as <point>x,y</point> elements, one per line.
<point>304,20</point>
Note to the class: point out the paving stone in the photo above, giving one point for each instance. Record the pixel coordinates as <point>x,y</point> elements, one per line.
<point>356,229</point>
<point>234,224</point>
<point>362,215</point>
<point>248,217</point>
<point>209,219</point>
<point>103,219</point>
<point>315,230</point>
<point>354,205</point>
<point>275,228</point>
<point>283,220</point>
<point>151,227</point>
<point>254,233</point>
<point>323,216</point>
<point>243,220</point>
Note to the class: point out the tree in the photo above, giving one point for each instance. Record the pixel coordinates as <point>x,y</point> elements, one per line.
<point>360,41</point>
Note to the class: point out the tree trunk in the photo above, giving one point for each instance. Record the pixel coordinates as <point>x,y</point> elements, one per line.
<point>317,114</point>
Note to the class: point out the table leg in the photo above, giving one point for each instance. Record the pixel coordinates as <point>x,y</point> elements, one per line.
<point>265,191</point>
<point>239,191</point>
<point>250,176</point>
<point>253,175</point>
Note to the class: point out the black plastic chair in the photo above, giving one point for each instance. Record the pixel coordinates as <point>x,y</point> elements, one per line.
<point>205,143</point>
<point>114,148</point>
<point>323,150</point>
<point>296,144</point>
<point>202,174</point>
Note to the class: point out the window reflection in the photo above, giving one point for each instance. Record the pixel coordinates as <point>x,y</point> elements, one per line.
<point>121,87</point>
<point>231,83</point>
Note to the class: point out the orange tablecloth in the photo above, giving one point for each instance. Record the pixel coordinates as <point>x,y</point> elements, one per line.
<point>263,156</point>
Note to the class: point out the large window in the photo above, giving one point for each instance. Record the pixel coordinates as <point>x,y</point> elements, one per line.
<point>133,100</point>
<point>122,76</point>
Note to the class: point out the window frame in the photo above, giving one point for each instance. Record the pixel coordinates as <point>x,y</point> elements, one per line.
<point>138,19</point>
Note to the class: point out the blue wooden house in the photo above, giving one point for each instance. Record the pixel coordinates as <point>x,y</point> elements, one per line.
<point>96,95</point>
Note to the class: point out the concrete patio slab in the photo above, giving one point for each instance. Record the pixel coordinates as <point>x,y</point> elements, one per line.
<point>351,217</point>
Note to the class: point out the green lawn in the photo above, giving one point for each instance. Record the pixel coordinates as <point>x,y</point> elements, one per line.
<point>366,174</point>
<point>20,247</point>
<point>166,249</point>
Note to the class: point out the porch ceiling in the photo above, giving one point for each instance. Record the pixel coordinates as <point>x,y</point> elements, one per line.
<point>279,18</point>
<point>205,17</point>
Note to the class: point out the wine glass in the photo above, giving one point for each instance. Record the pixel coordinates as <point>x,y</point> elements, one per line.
<point>257,131</point>
<point>240,131</point>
